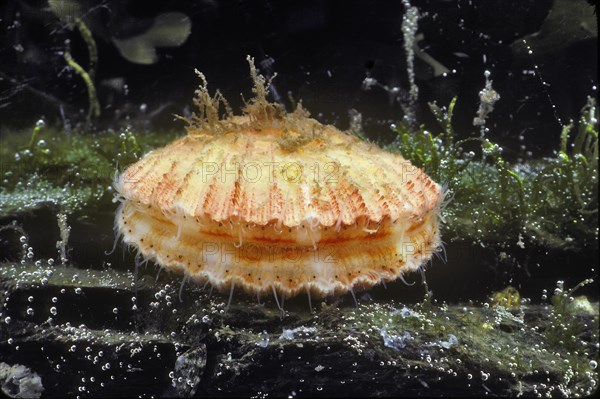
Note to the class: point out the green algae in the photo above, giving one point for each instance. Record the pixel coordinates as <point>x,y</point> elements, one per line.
<point>508,298</point>
<point>68,171</point>
<point>484,343</point>
<point>552,201</point>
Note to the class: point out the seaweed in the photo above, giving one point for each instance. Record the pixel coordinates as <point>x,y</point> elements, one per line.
<point>94,105</point>
<point>89,75</point>
<point>552,201</point>
<point>564,328</point>
<point>68,170</point>
<point>508,298</point>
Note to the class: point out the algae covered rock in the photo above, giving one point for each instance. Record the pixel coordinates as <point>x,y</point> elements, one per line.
<point>99,333</point>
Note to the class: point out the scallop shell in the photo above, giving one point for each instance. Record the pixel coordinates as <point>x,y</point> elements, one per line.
<point>274,201</point>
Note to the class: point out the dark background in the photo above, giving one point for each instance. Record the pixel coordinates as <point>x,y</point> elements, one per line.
<point>322,51</point>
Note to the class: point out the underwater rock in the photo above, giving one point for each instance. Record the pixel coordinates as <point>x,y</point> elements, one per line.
<point>20,382</point>
<point>188,371</point>
<point>78,329</point>
<point>290,334</point>
<point>395,342</point>
<point>104,339</point>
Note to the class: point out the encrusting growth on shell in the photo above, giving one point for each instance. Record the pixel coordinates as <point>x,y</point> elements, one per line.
<point>271,200</point>
<point>259,114</point>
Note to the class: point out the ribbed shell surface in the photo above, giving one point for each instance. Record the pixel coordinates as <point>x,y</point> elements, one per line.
<point>273,209</point>
<point>247,177</point>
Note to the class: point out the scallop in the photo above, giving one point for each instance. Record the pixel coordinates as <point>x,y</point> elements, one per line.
<point>271,201</point>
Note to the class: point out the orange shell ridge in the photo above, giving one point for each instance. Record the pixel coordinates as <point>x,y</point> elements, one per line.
<point>274,201</point>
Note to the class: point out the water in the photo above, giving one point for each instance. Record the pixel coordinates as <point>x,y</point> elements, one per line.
<point>88,87</point>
